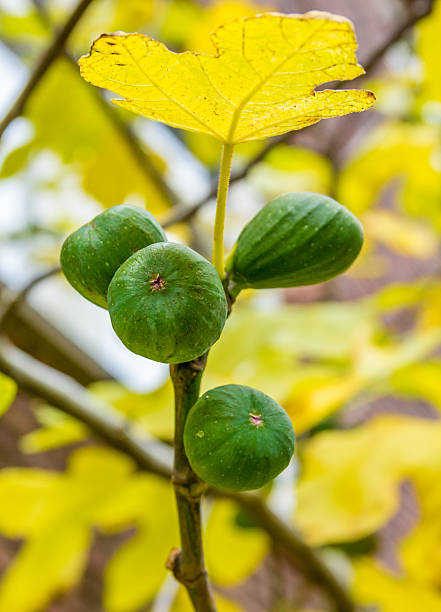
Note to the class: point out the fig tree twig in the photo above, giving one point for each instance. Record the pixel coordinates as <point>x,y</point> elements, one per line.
<point>72,398</point>
<point>44,63</point>
<point>188,564</point>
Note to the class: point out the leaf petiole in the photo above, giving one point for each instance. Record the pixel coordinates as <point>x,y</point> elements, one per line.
<point>219,222</point>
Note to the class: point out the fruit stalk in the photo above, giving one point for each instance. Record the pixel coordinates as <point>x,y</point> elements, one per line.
<point>188,564</point>
<point>219,222</point>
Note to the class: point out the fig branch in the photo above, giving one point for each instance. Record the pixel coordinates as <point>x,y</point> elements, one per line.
<point>188,564</point>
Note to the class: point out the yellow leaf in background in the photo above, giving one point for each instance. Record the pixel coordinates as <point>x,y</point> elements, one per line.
<point>420,551</point>
<point>23,494</point>
<point>48,438</point>
<point>376,363</point>
<point>87,141</point>
<point>262,349</point>
<point>376,586</point>
<point>260,84</point>
<point>232,552</point>
<point>179,17</point>
<point>209,150</point>
<point>349,485</point>
<point>403,152</point>
<point>317,395</point>
<point>215,15</point>
<point>110,15</point>
<point>421,380</point>
<point>135,497</point>
<point>8,390</point>
<point>152,411</point>
<point>399,296</point>
<point>22,28</point>
<point>56,429</point>
<point>401,234</point>
<point>100,464</point>
<point>137,569</point>
<point>428,47</point>
<point>182,604</point>
<point>48,565</point>
<point>287,168</point>
<point>429,316</point>
<point>56,512</point>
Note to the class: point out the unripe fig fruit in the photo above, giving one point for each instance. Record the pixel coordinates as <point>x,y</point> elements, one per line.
<point>296,239</point>
<point>167,303</point>
<point>91,255</point>
<point>238,438</point>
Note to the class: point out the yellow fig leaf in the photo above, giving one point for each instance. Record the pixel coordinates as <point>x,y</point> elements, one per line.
<point>137,570</point>
<point>349,486</point>
<point>232,552</point>
<point>401,151</point>
<point>8,389</point>
<point>47,565</point>
<point>420,551</point>
<point>420,380</point>
<point>318,394</point>
<point>23,493</point>
<point>153,411</point>
<point>260,83</point>
<point>387,592</point>
<point>216,14</point>
<point>401,234</point>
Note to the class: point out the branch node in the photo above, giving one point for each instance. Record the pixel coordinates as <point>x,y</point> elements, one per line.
<point>173,559</point>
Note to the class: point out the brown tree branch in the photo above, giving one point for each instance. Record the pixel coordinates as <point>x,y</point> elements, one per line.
<point>70,397</point>
<point>110,426</point>
<point>44,63</point>
<point>423,9</point>
<point>14,299</point>
<point>417,11</point>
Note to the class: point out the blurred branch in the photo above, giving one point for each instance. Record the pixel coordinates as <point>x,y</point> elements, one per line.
<point>14,299</point>
<point>136,147</point>
<point>110,426</point>
<point>72,398</point>
<point>417,11</point>
<point>287,539</point>
<point>422,9</point>
<point>44,63</point>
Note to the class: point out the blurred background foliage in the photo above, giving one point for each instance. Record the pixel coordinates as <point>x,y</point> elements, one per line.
<point>356,361</point>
